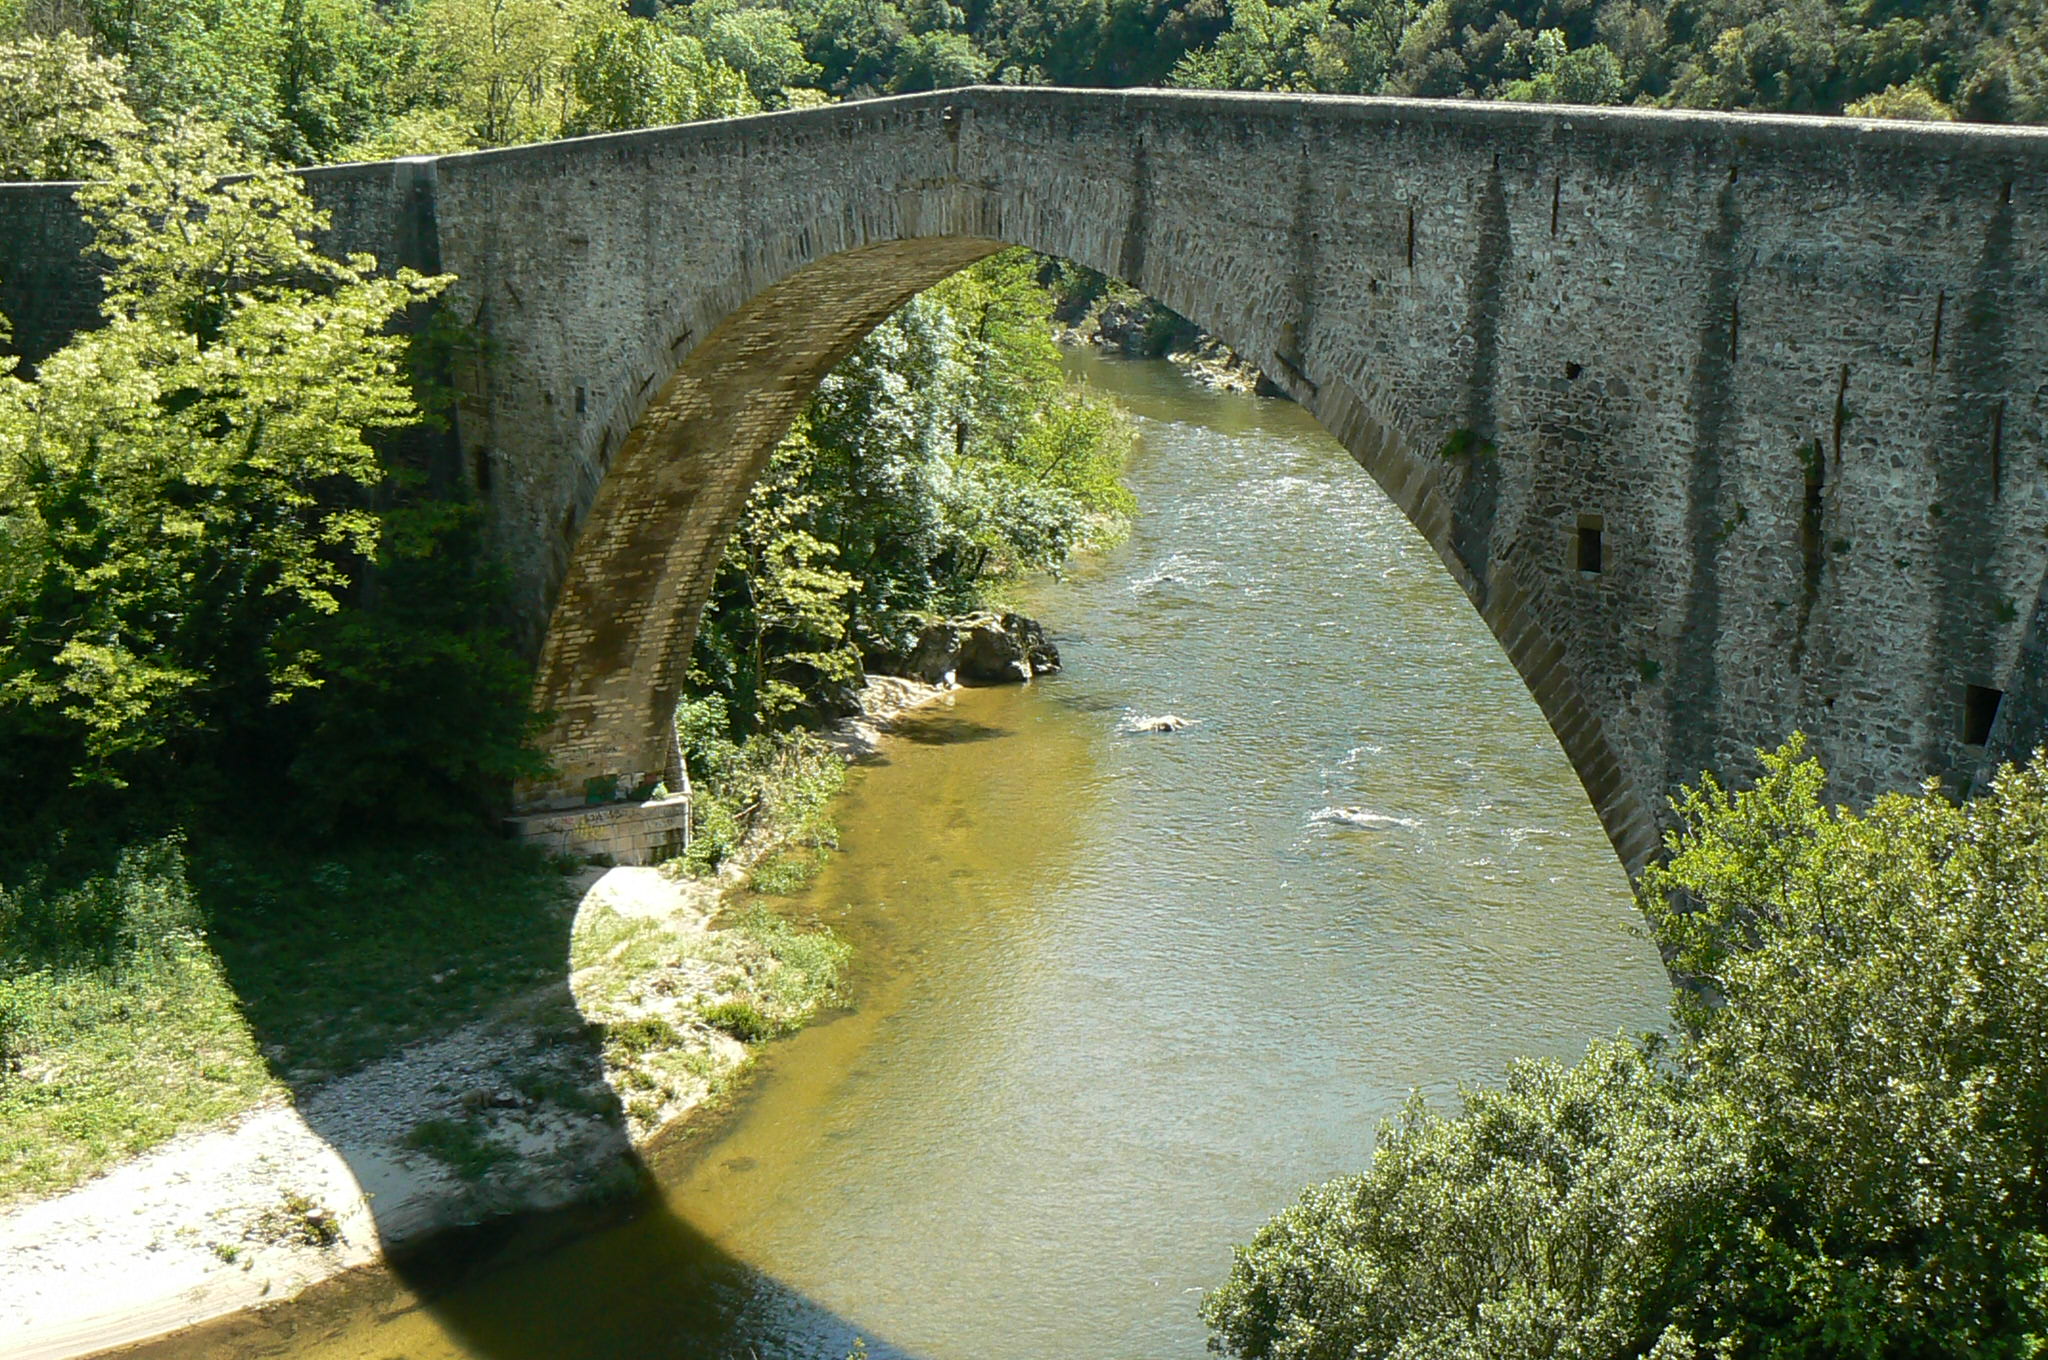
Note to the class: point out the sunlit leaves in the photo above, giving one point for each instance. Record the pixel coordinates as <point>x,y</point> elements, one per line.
<point>1840,1154</point>
<point>182,483</point>
<point>638,73</point>
<point>948,451</point>
<point>62,111</point>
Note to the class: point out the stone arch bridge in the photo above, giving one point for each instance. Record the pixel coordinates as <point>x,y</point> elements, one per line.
<point>1727,425</point>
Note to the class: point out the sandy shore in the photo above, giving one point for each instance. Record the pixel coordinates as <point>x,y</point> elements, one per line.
<point>286,1195</point>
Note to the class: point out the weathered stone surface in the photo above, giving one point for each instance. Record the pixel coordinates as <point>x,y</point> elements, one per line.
<point>623,833</point>
<point>1790,375</point>
<point>982,649</point>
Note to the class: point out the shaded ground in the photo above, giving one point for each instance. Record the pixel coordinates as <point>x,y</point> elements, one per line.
<point>435,1036</point>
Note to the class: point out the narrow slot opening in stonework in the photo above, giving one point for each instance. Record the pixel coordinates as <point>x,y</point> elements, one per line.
<point>1572,371</point>
<point>1980,710</point>
<point>1587,552</point>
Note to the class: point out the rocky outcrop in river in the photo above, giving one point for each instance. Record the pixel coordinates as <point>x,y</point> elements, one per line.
<point>1139,327</point>
<point>981,649</point>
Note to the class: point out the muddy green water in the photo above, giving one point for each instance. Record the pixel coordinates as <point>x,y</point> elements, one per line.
<point>1121,996</point>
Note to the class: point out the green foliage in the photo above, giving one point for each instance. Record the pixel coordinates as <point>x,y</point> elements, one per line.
<point>198,593</point>
<point>1539,1222</point>
<point>780,782</point>
<point>460,1145</point>
<point>507,63</point>
<point>296,1219</point>
<point>378,745</point>
<point>63,114</point>
<point>1559,75</point>
<point>947,453</point>
<point>1837,1155</point>
<point>292,80</point>
<point>117,1027</point>
<point>1874,989</point>
<point>804,966</point>
<point>641,73</point>
<point>172,485</point>
<point>342,953</point>
<point>1912,103</point>
<point>786,974</point>
<point>786,870</point>
<point>1987,62</point>
<point>137,916</point>
<point>1466,444</point>
<point>761,43</point>
<point>1311,45</point>
<point>741,1019</point>
<point>642,1035</point>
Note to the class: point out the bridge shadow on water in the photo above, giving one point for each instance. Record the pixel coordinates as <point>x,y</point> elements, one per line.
<point>610,1272</point>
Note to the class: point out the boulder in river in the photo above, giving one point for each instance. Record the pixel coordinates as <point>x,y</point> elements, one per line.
<point>981,649</point>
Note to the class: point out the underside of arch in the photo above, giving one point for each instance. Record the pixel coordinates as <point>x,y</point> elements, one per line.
<point>646,548</point>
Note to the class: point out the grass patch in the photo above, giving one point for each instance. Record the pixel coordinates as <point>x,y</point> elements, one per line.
<point>460,1145</point>
<point>160,987</point>
<point>788,870</point>
<point>117,1025</point>
<point>802,967</point>
<point>559,1091</point>
<point>343,957</point>
<point>741,1019</point>
<point>642,1035</point>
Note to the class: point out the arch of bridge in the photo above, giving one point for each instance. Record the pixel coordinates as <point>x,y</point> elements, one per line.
<point>1793,369</point>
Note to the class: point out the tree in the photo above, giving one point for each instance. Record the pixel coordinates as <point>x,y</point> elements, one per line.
<point>1542,1221</point>
<point>646,73</point>
<point>62,113</point>
<point>1836,1154</point>
<point>293,81</point>
<point>180,489</point>
<point>947,451</point>
<point>1590,75</point>
<point>508,62</point>
<point>1909,102</point>
<point>760,43</point>
<point>853,43</point>
<point>785,636</point>
<point>937,61</point>
<point>1873,991</point>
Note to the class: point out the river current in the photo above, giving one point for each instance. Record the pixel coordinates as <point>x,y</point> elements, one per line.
<point>1120,995</point>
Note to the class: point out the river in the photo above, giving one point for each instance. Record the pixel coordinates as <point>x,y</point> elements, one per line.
<point>1121,996</point>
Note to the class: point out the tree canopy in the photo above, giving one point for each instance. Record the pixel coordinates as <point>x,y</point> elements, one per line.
<point>947,453</point>
<point>1835,1153</point>
<point>190,495</point>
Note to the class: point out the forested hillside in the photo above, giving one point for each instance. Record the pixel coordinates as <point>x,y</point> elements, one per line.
<point>298,81</point>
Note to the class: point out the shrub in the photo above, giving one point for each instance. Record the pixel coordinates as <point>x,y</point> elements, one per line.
<point>1836,1155</point>
<point>642,1035</point>
<point>743,1020</point>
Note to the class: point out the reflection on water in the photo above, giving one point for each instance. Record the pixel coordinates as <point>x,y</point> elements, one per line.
<point>1121,994</point>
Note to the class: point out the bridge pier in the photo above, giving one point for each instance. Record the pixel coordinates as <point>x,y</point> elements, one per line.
<point>645,832</point>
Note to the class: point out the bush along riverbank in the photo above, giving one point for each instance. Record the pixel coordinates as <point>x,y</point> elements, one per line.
<point>1093,309</point>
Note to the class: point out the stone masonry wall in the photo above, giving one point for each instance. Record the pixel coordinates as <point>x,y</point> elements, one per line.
<point>1792,373</point>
